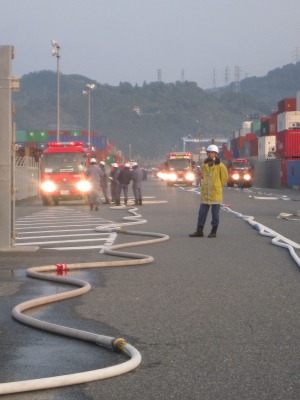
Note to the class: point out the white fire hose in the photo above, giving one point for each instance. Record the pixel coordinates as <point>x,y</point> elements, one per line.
<point>116,344</point>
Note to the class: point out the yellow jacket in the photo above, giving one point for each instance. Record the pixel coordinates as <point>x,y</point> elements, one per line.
<point>214,178</point>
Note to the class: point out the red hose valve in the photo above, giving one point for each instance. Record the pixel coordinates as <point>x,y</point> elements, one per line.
<point>61,269</point>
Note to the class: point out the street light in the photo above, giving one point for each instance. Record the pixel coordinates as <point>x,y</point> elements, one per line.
<point>87,92</point>
<point>56,53</point>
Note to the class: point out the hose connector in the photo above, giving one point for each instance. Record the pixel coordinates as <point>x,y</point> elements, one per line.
<point>119,344</point>
<point>61,269</point>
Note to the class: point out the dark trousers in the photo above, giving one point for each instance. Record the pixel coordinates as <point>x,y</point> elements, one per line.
<point>203,211</point>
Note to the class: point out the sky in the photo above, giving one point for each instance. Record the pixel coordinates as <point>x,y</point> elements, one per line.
<point>209,42</point>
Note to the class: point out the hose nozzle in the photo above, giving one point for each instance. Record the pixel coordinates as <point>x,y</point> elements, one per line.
<point>119,344</point>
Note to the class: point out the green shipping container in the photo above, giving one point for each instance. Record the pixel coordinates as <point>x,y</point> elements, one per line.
<point>37,136</point>
<point>255,126</point>
<point>75,133</point>
<point>20,136</point>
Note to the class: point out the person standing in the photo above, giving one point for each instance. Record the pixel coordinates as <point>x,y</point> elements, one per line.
<point>104,181</point>
<point>114,183</point>
<point>94,176</point>
<point>137,178</point>
<point>214,177</point>
<point>124,178</point>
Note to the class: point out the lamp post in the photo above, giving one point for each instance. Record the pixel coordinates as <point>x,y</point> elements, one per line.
<point>87,92</point>
<point>56,53</point>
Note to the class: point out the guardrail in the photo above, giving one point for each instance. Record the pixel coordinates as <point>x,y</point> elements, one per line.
<point>26,177</point>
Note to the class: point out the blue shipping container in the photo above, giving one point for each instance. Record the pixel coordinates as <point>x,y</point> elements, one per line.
<point>293,173</point>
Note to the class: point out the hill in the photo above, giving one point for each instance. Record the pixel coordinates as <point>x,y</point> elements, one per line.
<point>151,118</point>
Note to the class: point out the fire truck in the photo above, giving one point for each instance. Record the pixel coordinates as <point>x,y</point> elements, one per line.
<point>179,168</point>
<point>62,172</point>
<point>240,173</point>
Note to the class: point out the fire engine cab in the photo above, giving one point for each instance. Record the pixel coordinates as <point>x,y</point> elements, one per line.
<point>240,173</point>
<point>62,172</point>
<point>179,168</point>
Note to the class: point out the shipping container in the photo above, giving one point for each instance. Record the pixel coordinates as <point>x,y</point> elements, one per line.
<point>266,144</point>
<point>288,120</point>
<point>273,124</point>
<point>21,136</point>
<point>293,171</point>
<point>255,126</point>
<point>288,143</point>
<point>254,147</point>
<point>288,104</point>
<point>240,141</point>
<point>250,136</point>
<point>290,173</point>
<point>37,136</point>
<point>265,127</point>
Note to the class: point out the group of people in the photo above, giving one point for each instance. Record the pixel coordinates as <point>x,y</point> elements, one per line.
<point>214,177</point>
<point>119,182</point>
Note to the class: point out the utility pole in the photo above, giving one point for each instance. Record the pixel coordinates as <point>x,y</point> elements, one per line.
<point>7,152</point>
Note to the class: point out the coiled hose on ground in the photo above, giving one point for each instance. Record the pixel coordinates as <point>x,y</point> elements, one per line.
<point>278,240</point>
<point>116,344</point>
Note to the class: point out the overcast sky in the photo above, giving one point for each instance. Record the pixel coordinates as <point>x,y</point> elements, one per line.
<point>113,41</point>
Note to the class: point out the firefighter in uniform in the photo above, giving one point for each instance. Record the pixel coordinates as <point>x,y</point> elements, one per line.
<point>93,173</point>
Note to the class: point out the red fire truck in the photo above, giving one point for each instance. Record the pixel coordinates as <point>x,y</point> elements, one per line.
<point>240,173</point>
<point>62,172</point>
<point>179,168</point>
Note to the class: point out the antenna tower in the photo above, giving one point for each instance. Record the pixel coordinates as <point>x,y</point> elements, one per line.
<point>159,75</point>
<point>296,55</point>
<point>182,75</point>
<point>237,78</point>
<point>214,79</point>
<point>227,76</point>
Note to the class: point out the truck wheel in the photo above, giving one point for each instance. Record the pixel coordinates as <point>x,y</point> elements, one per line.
<point>45,201</point>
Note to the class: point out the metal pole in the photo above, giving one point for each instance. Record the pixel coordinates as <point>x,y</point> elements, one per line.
<point>6,222</point>
<point>58,99</point>
<point>89,117</point>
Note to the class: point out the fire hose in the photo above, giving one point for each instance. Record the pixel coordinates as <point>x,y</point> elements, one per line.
<point>277,239</point>
<point>115,344</point>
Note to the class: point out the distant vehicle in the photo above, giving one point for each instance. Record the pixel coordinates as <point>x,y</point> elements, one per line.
<point>179,169</point>
<point>62,173</point>
<point>240,173</point>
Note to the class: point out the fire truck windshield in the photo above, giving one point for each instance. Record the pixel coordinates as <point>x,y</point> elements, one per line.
<point>179,163</point>
<point>63,162</point>
<point>240,166</point>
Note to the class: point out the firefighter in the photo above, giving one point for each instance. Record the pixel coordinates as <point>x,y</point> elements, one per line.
<point>137,178</point>
<point>114,183</point>
<point>214,177</point>
<point>104,181</point>
<point>124,178</point>
<point>93,173</point>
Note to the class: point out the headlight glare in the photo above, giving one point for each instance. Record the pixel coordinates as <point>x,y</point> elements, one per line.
<point>48,186</point>
<point>83,186</point>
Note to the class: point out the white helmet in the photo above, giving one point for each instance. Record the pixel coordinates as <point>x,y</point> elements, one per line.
<point>213,147</point>
<point>127,165</point>
<point>102,162</point>
<point>93,161</point>
<point>134,164</point>
<point>114,165</point>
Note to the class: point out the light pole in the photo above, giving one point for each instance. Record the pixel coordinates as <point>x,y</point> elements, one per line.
<point>56,53</point>
<point>87,92</point>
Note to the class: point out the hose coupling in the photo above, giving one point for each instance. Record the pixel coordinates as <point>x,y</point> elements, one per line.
<point>120,230</point>
<point>61,269</point>
<point>119,344</point>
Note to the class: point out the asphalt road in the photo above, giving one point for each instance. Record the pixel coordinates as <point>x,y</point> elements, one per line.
<point>214,319</point>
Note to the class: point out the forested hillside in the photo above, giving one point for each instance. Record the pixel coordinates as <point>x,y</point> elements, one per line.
<point>166,111</point>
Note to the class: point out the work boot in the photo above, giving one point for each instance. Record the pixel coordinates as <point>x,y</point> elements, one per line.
<point>106,200</point>
<point>117,202</point>
<point>213,232</point>
<point>91,207</point>
<point>140,202</point>
<point>125,202</point>
<point>198,233</point>
<point>96,208</point>
<point>136,203</point>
